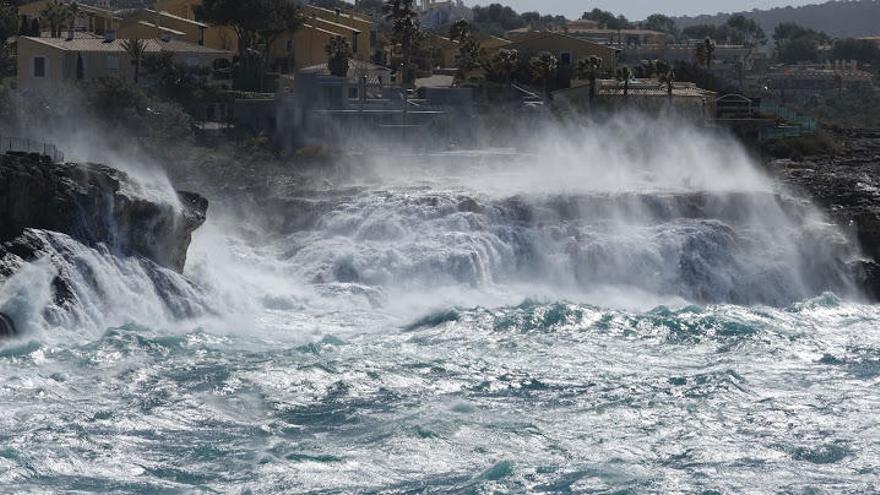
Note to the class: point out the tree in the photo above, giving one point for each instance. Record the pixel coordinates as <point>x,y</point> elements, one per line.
<point>496,19</point>
<point>543,67</point>
<point>665,74</point>
<point>795,43</point>
<point>135,50</point>
<point>588,68</point>
<point>257,24</point>
<point>606,19</point>
<point>662,23</point>
<point>460,31</point>
<point>8,20</point>
<point>625,75</point>
<point>8,27</point>
<point>338,54</point>
<point>798,50</point>
<point>746,31</point>
<point>468,48</point>
<point>701,31</point>
<point>709,50</point>
<point>504,64</point>
<point>405,31</point>
<point>863,51</point>
<point>57,14</point>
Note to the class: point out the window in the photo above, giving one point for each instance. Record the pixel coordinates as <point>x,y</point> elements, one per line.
<point>289,45</point>
<point>112,62</point>
<point>354,43</point>
<point>565,58</point>
<point>352,92</point>
<point>39,66</point>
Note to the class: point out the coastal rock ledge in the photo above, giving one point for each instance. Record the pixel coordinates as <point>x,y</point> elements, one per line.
<point>96,205</point>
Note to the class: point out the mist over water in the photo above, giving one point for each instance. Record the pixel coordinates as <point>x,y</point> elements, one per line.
<point>634,306</point>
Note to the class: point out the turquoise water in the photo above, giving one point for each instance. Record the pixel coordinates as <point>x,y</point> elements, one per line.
<point>536,397</point>
<point>627,313</point>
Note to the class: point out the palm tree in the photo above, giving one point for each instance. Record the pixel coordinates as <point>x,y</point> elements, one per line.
<point>588,68</point>
<point>543,67</point>
<point>624,75</point>
<point>135,50</point>
<point>56,14</point>
<point>710,51</point>
<point>460,31</point>
<point>338,53</point>
<point>404,28</point>
<point>665,74</point>
<point>504,64</point>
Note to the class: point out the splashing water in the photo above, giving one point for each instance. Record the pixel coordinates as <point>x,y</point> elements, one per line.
<point>584,317</point>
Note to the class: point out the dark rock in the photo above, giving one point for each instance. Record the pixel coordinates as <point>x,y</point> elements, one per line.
<point>847,186</point>
<point>95,205</point>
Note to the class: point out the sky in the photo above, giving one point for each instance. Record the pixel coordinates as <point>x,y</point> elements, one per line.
<point>639,9</point>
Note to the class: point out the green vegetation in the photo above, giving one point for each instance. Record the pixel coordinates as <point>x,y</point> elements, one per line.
<point>588,69</point>
<point>738,30</point>
<point>796,148</point>
<point>405,32</point>
<point>257,25</point>
<point>338,54</point>
<point>607,20</point>
<point>796,43</point>
<point>8,27</point>
<point>136,50</point>
<point>543,67</point>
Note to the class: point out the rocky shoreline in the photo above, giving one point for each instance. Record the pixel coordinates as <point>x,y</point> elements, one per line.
<point>52,210</point>
<point>96,205</point>
<point>845,182</point>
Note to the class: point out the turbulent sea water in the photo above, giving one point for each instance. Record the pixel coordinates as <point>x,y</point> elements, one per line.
<point>625,323</point>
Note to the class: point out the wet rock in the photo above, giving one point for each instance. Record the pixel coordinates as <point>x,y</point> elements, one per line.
<point>846,184</point>
<point>96,205</point>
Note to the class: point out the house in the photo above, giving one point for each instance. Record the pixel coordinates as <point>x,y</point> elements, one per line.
<point>444,51</point>
<point>363,77</point>
<point>90,18</point>
<point>492,43</point>
<point>290,51</point>
<point>147,24</point>
<point>568,50</point>
<point>366,39</point>
<point>644,95</point>
<point>44,63</point>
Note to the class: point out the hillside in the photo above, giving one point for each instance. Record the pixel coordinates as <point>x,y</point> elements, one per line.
<point>836,18</point>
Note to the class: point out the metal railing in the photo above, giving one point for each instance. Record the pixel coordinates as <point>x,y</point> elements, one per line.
<point>24,145</point>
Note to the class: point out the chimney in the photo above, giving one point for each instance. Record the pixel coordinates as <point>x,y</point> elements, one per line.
<point>70,34</point>
<point>338,12</point>
<point>109,36</point>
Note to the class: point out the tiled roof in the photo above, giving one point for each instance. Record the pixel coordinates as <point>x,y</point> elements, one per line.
<point>99,45</point>
<point>162,28</point>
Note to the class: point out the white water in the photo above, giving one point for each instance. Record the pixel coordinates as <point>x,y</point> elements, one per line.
<point>635,308</point>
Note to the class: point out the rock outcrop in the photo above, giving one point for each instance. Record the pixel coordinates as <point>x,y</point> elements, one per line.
<point>846,183</point>
<point>96,205</point>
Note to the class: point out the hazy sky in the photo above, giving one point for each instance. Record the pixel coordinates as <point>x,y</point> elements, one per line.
<point>639,9</point>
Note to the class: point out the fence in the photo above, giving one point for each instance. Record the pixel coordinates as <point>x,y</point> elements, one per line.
<point>22,145</point>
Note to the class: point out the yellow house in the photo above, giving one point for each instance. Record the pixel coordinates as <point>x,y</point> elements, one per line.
<point>568,50</point>
<point>44,63</point>
<point>366,40</point>
<point>162,23</point>
<point>90,19</point>
<point>444,51</point>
